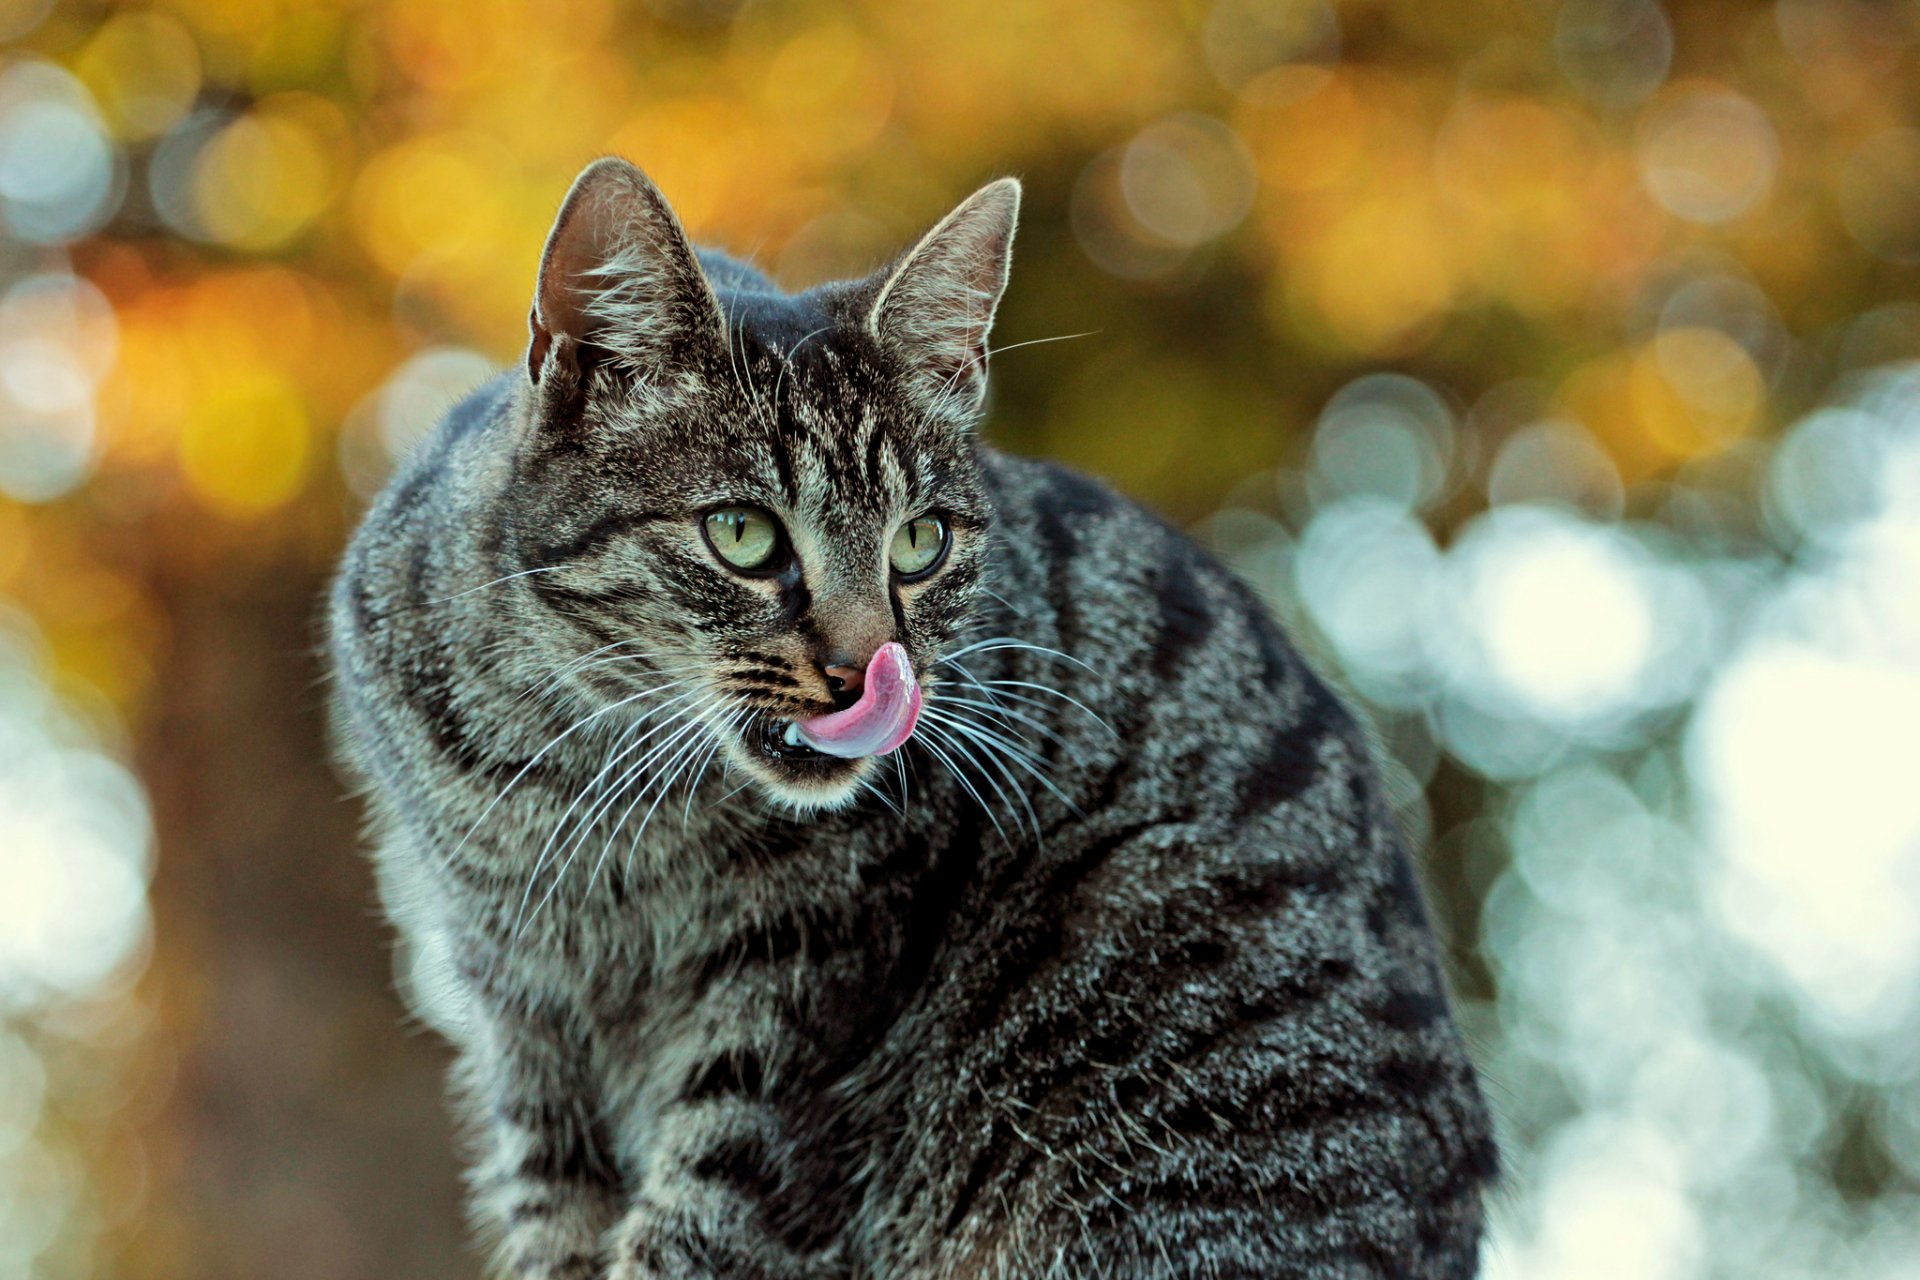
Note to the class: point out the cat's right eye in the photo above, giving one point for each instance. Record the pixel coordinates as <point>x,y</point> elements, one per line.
<point>745,537</point>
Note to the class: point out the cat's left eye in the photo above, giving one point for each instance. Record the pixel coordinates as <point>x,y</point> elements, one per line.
<point>918,546</point>
<point>745,537</point>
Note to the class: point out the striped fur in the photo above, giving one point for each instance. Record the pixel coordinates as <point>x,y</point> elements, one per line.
<point>1173,1012</point>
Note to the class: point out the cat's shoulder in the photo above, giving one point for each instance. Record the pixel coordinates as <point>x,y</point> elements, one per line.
<point>1100,541</point>
<point>1022,487</point>
<point>1074,512</point>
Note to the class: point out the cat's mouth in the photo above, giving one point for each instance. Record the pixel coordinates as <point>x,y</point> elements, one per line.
<point>882,718</point>
<point>829,747</point>
<point>778,742</point>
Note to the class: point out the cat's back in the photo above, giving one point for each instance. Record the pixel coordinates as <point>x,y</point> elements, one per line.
<point>1205,990</point>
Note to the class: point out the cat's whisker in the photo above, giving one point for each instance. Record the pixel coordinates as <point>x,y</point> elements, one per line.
<point>542,753</point>
<point>752,401</point>
<point>589,660</point>
<point>547,851</point>
<point>618,658</point>
<point>1003,685</point>
<point>607,849</point>
<point>577,840</point>
<point>991,770</point>
<point>721,737</point>
<point>1011,749</point>
<point>668,776</point>
<point>1002,735</point>
<point>1036,342</point>
<point>483,586</point>
<point>687,717</point>
<point>1009,605</point>
<point>1006,713</point>
<point>1004,750</point>
<point>1001,688</point>
<point>736,791</point>
<point>679,724</point>
<point>947,388</point>
<point>786,362</point>
<point>996,643</point>
<point>1000,697</point>
<point>995,771</point>
<point>568,668</point>
<point>872,787</point>
<point>928,741</point>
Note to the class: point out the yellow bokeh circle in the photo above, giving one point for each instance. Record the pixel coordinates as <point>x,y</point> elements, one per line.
<point>265,177</point>
<point>246,450</point>
<point>143,68</point>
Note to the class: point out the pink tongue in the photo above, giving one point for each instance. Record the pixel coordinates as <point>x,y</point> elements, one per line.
<point>884,717</point>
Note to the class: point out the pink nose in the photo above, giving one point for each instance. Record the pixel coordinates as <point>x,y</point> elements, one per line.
<point>844,679</point>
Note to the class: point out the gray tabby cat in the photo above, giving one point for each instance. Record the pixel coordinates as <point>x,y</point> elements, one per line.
<point>1115,968</point>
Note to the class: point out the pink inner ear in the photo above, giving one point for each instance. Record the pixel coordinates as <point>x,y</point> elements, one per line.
<point>885,716</point>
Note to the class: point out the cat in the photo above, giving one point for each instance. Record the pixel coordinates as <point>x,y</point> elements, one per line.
<point>838,849</point>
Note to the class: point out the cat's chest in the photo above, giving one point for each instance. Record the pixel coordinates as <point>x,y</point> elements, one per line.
<point>613,933</point>
<point>613,936</point>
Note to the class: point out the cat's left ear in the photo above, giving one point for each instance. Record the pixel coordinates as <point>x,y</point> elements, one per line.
<point>619,279</point>
<point>935,308</point>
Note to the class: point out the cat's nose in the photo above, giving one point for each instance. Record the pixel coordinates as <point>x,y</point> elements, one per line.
<point>843,682</point>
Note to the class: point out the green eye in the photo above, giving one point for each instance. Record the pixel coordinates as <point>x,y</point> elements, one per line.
<point>745,537</point>
<point>918,545</point>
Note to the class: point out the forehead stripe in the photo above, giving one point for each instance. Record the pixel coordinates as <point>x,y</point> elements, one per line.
<point>874,440</point>
<point>784,429</point>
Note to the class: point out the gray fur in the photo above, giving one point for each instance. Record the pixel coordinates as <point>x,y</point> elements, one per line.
<point>1154,999</point>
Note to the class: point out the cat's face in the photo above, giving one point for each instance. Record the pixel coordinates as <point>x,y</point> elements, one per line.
<point>748,512</point>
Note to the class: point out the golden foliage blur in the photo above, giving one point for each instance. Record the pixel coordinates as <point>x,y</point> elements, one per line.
<point>1250,203</point>
<point>1472,210</point>
<point>319,189</point>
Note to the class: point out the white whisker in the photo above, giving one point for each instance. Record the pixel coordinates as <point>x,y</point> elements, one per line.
<point>994,708</point>
<point>786,362</point>
<point>590,660</point>
<point>1003,685</point>
<point>994,643</point>
<point>969,749</point>
<point>668,776</point>
<point>960,776</point>
<point>548,851</point>
<point>948,388</point>
<point>1012,750</point>
<point>541,754</point>
<point>496,582</point>
<point>720,739</point>
<point>996,754</point>
<point>1009,605</point>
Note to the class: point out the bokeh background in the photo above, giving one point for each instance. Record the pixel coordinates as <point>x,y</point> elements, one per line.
<point>1549,364</point>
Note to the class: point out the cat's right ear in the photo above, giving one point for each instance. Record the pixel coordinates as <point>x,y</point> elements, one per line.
<point>619,281</point>
<point>936,306</point>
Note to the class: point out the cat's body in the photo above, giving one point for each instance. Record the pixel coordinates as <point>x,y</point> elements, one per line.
<point>1171,1012</point>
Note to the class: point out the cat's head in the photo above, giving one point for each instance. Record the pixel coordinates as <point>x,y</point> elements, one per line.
<point>749,511</point>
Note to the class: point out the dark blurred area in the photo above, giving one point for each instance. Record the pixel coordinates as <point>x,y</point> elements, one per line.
<point>1550,365</point>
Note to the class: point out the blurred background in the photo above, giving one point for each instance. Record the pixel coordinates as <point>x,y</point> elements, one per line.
<point>1549,364</point>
